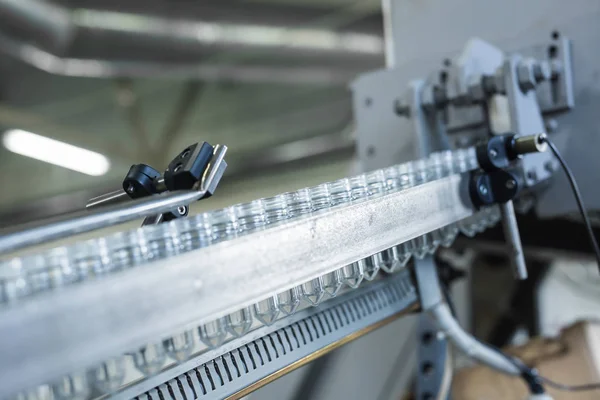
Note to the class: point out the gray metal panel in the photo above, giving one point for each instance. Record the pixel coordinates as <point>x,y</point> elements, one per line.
<point>531,23</point>
<point>384,137</point>
<point>266,359</point>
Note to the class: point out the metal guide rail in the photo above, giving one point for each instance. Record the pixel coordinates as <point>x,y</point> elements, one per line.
<point>247,363</point>
<point>49,333</point>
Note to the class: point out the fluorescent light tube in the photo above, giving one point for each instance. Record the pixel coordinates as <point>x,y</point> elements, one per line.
<point>55,152</point>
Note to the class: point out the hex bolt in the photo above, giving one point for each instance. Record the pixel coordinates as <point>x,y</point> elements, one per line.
<point>551,125</point>
<point>483,190</point>
<point>130,189</point>
<point>556,68</point>
<point>401,109</point>
<point>493,153</point>
<point>542,71</point>
<point>526,76</point>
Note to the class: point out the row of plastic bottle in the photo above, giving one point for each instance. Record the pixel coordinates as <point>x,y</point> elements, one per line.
<point>83,261</point>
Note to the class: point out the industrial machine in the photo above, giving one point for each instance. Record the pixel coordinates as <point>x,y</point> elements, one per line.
<point>219,304</point>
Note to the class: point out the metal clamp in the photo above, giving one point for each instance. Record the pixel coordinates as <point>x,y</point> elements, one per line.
<point>497,184</point>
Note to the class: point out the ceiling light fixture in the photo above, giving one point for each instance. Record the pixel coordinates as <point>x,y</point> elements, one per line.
<point>55,152</point>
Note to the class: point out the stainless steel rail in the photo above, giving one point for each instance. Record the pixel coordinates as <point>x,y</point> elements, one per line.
<point>112,215</point>
<point>53,334</point>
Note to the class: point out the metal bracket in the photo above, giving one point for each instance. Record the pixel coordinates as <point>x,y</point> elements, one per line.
<point>433,353</point>
<point>433,364</point>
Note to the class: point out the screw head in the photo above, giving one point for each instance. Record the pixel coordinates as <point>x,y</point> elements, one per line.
<point>130,189</point>
<point>493,153</point>
<point>483,190</point>
<point>510,184</point>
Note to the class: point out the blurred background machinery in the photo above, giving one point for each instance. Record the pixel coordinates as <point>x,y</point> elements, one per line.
<point>302,93</point>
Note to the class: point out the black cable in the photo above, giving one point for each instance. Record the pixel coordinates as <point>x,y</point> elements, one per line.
<point>570,388</point>
<point>578,199</point>
<point>530,375</point>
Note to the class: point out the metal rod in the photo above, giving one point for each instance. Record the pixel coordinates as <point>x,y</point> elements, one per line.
<point>117,196</point>
<point>88,221</point>
<point>513,240</point>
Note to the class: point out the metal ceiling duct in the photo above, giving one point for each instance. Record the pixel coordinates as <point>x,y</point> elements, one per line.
<point>89,42</point>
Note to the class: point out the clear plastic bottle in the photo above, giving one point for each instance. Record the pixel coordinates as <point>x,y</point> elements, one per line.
<point>41,392</point>
<point>89,258</point>
<point>390,260</point>
<point>213,334</point>
<point>468,226</point>
<point>251,218</point>
<point>339,194</point>
<point>405,251</point>
<point>460,163</point>
<point>224,224</point>
<point>298,203</point>
<point>126,250</point>
<point>471,159</point>
<point>449,233</point>
<point>442,163</point>
<point>376,183</point>
<point>179,347</point>
<point>162,241</point>
<point>354,273</point>
<point>267,311</point>
<point>333,281</point>
<point>376,186</point>
<point>149,359</point>
<point>421,173</point>
<point>195,232</point>
<point>48,270</point>
<point>276,210</point>
<point>238,323</point>
<point>13,281</point>
<point>392,179</point>
<point>320,199</point>
<point>72,387</point>
<point>407,175</point>
<point>358,187</point>
<point>289,300</point>
<point>108,376</point>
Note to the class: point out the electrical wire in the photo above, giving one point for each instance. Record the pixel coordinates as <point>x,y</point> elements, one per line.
<point>578,198</point>
<point>570,388</point>
<point>530,375</point>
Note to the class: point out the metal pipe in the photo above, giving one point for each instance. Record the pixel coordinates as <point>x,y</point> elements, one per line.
<point>116,196</point>
<point>88,221</point>
<point>79,42</point>
<point>513,240</point>
<point>41,23</point>
<point>214,72</point>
